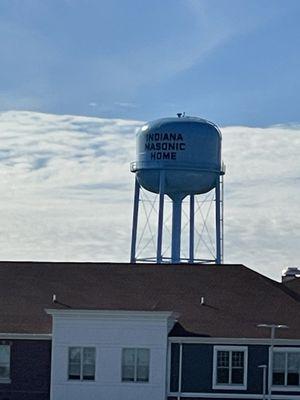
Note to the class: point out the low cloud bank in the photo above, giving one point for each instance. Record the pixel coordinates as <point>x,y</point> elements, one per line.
<point>66,190</point>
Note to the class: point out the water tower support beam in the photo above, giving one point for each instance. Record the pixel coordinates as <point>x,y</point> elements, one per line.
<point>160,217</point>
<point>176,229</point>
<point>135,220</point>
<point>222,216</point>
<point>192,228</point>
<point>219,221</point>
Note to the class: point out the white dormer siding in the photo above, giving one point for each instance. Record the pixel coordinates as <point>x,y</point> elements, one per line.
<point>108,333</point>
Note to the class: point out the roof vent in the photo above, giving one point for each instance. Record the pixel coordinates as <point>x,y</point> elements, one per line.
<point>290,273</point>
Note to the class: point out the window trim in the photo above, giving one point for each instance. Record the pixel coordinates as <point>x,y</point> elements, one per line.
<point>230,386</point>
<point>7,379</point>
<point>81,364</point>
<point>285,388</point>
<point>135,365</point>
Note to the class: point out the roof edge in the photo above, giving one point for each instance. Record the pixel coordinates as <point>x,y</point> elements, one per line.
<point>232,340</point>
<point>26,336</point>
<point>110,313</point>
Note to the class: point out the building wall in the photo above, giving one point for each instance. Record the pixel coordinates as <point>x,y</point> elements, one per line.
<point>109,334</point>
<point>29,371</point>
<point>197,374</point>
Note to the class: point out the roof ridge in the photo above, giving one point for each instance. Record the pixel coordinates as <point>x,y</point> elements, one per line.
<point>279,285</point>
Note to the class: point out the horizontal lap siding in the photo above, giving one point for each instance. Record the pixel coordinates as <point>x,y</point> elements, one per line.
<point>257,355</point>
<point>197,369</point>
<point>29,371</point>
<point>174,369</point>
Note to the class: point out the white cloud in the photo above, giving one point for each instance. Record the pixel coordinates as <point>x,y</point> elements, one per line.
<point>66,190</point>
<point>125,104</point>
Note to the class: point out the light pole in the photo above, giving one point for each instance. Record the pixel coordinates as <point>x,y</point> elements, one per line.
<point>264,368</point>
<point>273,328</point>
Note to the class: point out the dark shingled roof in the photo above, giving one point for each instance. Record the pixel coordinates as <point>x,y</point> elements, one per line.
<point>236,298</point>
<point>293,285</point>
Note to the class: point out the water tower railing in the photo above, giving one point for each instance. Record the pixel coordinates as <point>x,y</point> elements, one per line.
<point>172,166</point>
<point>168,260</point>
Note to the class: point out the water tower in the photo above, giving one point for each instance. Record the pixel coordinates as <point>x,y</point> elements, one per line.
<point>179,158</point>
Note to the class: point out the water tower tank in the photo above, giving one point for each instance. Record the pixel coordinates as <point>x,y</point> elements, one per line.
<point>187,149</point>
<point>178,157</point>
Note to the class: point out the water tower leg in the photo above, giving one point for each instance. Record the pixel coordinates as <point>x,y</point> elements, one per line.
<point>218,222</point>
<point>135,220</point>
<point>176,230</point>
<point>222,216</point>
<point>160,217</point>
<point>192,228</point>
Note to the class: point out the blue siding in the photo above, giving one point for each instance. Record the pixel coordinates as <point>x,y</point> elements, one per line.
<point>29,371</point>
<point>174,369</point>
<point>257,355</point>
<point>197,370</point>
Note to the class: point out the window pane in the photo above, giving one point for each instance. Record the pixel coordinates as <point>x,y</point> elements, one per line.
<point>128,357</point>
<point>4,354</point>
<point>293,362</point>
<point>278,378</point>
<point>278,368</point>
<point>237,363</point>
<point>293,369</point>
<point>293,379</point>
<point>279,362</point>
<point>127,373</point>
<point>75,354</point>
<point>128,365</point>
<point>238,359</point>
<point>143,356</point>
<point>88,369</point>
<point>223,375</point>
<point>223,359</point>
<point>143,373</point>
<point>4,371</point>
<point>74,362</point>
<point>237,376</point>
<point>223,367</point>
<point>74,371</point>
<point>4,361</point>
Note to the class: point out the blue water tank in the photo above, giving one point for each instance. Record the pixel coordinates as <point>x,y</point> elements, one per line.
<point>188,149</point>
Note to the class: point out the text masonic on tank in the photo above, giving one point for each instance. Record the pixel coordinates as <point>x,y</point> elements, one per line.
<point>164,146</point>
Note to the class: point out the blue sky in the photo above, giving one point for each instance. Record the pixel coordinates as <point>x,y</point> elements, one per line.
<point>235,62</point>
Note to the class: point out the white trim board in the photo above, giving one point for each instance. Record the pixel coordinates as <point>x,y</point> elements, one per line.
<point>77,313</point>
<point>234,341</point>
<point>26,336</point>
<point>233,396</point>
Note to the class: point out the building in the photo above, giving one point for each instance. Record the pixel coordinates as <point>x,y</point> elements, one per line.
<point>120,331</point>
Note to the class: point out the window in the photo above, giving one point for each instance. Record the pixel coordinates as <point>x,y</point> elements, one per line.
<point>286,367</point>
<point>4,362</point>
<point>135,365</point>
<point>82,363</point>
<point>230,367</point>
